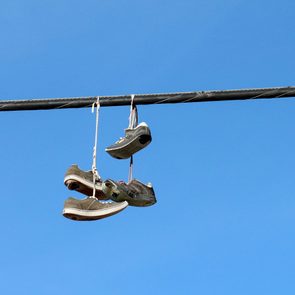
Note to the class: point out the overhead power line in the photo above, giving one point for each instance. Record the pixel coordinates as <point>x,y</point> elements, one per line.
<point>145,99</point>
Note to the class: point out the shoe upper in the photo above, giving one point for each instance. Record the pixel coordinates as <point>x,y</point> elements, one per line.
<point>87,175</point>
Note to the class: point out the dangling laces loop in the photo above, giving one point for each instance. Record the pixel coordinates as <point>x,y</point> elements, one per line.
<point>133,121</point>
<point>94,169</point>
<point>130,175</point>
<point>133,116</point>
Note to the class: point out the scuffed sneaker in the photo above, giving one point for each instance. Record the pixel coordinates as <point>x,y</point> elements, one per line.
<point>91,209</point>
<point>134,192</point>
<point>135,139</point>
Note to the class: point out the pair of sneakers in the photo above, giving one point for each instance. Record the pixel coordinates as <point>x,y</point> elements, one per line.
<point>134,192</point>
<point>111,197</point>
<point>90,208</point>
<point>118,194</point>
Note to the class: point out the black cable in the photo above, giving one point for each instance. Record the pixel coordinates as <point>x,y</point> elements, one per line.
<point>145,99</point>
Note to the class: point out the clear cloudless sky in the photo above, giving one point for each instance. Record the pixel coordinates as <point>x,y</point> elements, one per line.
<point>223,172</point>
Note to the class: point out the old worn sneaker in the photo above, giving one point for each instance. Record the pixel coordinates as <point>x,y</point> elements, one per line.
<point>82,181</point>
<point>135,139</point>
<point>90,209</point>
<point>134,192</point>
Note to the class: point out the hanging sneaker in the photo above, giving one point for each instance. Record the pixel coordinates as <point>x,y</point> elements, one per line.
<point>90,209</point>
<point>135,139</point>
<point>82,182</point>
<point>135,192</point>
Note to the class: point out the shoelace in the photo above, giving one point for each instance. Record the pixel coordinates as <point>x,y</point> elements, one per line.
<point>94,169</point>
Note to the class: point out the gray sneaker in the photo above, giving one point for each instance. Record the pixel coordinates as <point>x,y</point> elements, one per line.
<point>135,139</point>
<point>90,209</point>
<point>82,181</point>
<point>135,192</point>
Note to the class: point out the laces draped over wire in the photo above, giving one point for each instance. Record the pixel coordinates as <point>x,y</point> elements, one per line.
<point>133,122</point>
<point>94,169</point>
<point>133,117</point>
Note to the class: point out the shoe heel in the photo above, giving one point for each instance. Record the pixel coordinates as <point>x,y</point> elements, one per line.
<point>115,192</point>
<point>72,185</point>
<point>144,139</point>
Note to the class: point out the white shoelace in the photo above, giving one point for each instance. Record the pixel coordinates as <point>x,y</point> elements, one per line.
<point>94,168</point>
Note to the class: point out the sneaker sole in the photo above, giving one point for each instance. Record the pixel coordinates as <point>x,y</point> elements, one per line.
<point>77,183</point>
<point>127,150</point>
<point>89,215</point>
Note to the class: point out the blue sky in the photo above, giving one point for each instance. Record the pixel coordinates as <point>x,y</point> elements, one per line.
<point>223,172</point>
